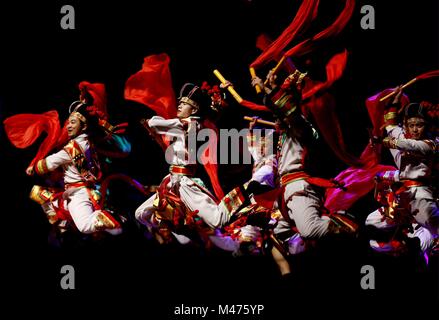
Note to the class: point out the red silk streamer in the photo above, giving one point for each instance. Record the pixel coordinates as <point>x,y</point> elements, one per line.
<point>263,42</point>
<point>334,71</point>
<point>323,108</point>
<point>99,95</point>
<point>305,15</point>
<point>375,108</point>
<point>254,106</point>
<point>323,111</point>
<point>430,74</point>
<point>209,160</point>
<point>333,30</point>
<point>357,182</point>
<point>152,86</point>
<point>24,129</point>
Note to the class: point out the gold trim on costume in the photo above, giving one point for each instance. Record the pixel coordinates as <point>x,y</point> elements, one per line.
<point>79,116</point>
<point>390,116</point>
<point>41,167</point>
<point>40,195</point>
<point>189,102</point>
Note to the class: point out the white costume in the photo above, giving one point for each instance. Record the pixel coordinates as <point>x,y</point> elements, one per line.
<point>302,201</point>
<point>192,192</point>
<point>79,198</point>
<point>414,158</point>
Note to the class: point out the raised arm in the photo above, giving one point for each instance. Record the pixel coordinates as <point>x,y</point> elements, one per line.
<point>171,127</point>
<point>50,163</point>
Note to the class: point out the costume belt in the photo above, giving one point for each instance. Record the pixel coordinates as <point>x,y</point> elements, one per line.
<point>412,183</point>
<point>77,185</point>
<point>292,177</point>
<point>407,184</point>
<point>182,170</point>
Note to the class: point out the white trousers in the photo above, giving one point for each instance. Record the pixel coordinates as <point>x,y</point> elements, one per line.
<point>304,208</point>
<point>77,202</point>
<point>213,214</point>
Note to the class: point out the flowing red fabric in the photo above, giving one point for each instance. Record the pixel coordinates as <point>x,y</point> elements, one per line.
<point>334,70</point>
<point>430,74</point>
<point>357,181</point>
<point>333,30</point>
<point>375,108</point>
<point>254,106</point>
<point>97,91</point>
<point>268,199</point>
<point>262,43</point>
<point>24,129</point>
<point>323,110</point>
<point>209,159</point>
<point>152,86</point>
<point>305,15</point>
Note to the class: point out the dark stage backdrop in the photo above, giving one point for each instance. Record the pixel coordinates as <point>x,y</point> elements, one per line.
<point>40,67</point>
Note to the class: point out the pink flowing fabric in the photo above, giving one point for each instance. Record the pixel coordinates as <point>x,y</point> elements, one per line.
<point>357,181</point>
<point>152,86</point>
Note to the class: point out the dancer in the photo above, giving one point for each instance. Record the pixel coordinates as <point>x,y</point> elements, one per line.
<point>414,206</point>
<point>183,199</point>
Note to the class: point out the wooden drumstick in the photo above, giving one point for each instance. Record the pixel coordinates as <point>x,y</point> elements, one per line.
<point>403,87</point>
<point>261,121</point>
<point>253,74</point>
<point>230,88</point>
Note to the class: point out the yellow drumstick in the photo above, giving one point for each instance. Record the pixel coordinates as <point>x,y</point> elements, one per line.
<point>274,70</point>
<point>253,74</point>
<point>230,88</point>
<point>261,121</point>
<point>403,87</point>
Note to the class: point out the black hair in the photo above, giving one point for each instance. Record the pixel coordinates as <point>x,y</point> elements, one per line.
<point>415,110</point>
<point>92,121</point>
<point>200,97</point>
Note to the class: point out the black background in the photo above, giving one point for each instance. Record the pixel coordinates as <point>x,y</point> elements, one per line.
<point>40,68</point>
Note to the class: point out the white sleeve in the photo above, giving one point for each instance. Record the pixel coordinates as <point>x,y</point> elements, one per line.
<point>417,146</point>
<point>394,132</point>
<point>58,159</point>
<point>170,127</point>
